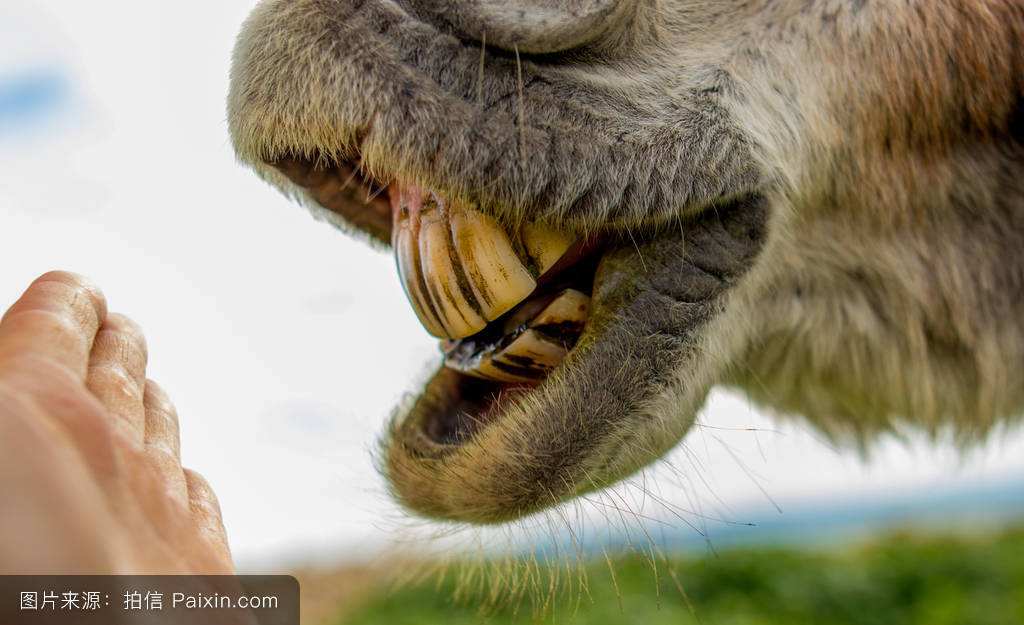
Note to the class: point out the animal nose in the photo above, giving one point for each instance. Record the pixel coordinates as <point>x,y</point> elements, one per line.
<point>533,26</point>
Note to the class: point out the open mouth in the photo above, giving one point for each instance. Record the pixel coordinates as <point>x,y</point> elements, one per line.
<point>565,363</point>
<point>507,304</point>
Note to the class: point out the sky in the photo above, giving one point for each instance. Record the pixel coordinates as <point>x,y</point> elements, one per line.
<point>284,344</point>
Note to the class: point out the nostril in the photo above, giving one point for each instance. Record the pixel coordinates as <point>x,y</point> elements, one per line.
<point>531,26</point>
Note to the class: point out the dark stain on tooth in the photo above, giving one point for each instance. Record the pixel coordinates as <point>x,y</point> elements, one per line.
<point>436,299</point>
<point>422,295</point>
<point>449,295</point>
<point>467,255</point>
<point>460,272</point>
<point>564,333</point>
<point>481,283</point>
<point>446,292</point>
<point>523,253</point>
<point>524,361</point>
<point>519,370</point>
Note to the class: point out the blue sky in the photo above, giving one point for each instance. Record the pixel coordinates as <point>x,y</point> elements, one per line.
<point>31,94</point>
<point>284,344</point>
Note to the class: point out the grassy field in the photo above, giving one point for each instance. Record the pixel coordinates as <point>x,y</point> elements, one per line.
<point>899,579</point>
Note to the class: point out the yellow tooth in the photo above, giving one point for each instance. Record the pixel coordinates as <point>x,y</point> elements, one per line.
<point>497,276</point>
<point>460,269</point>
<point>526,359</point>
<point>456,312</point>
<point>487,370</point>
<point>531,351</point>
<point>532,354</point>
<point>544,245</point>
<point>570,305</point>
<point>404,240</point>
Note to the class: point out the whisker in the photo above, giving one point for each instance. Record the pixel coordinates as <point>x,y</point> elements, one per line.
<point>750,474</point>
<point>642,263</point>
<point>480,80</point>
<point>371,197</point>
<point>521,121</point>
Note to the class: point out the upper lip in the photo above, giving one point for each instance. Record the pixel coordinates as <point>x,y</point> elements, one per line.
<point>344,187</point>
<point>525,135</point>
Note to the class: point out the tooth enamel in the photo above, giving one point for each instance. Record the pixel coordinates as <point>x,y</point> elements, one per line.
<point>528,358</point>
<point>531,351</point>
<point>544,245</point>
<point>569,306</point>
<point>489,371</point>
<point>405,235</point>
<point>497,276</point>
<point>454,310</point>
<point>461,270</point>
<point>541,344</point>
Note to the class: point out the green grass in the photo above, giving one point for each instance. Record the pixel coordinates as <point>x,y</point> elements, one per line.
<point>899,579</point>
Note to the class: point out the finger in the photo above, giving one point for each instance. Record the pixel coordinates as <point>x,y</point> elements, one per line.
<point>55,319</point>
<point>42,475</point>
<point>161,421</point>
<point>206,512</point>
<point>162,445</point>
<point>117,373</point>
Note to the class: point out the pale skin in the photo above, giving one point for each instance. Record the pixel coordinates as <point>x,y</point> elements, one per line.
<point>91,474</point>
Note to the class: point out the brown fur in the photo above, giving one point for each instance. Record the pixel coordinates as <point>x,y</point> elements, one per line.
<point>820,202</point>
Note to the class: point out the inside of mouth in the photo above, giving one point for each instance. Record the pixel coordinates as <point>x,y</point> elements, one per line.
<point>454,405</point>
